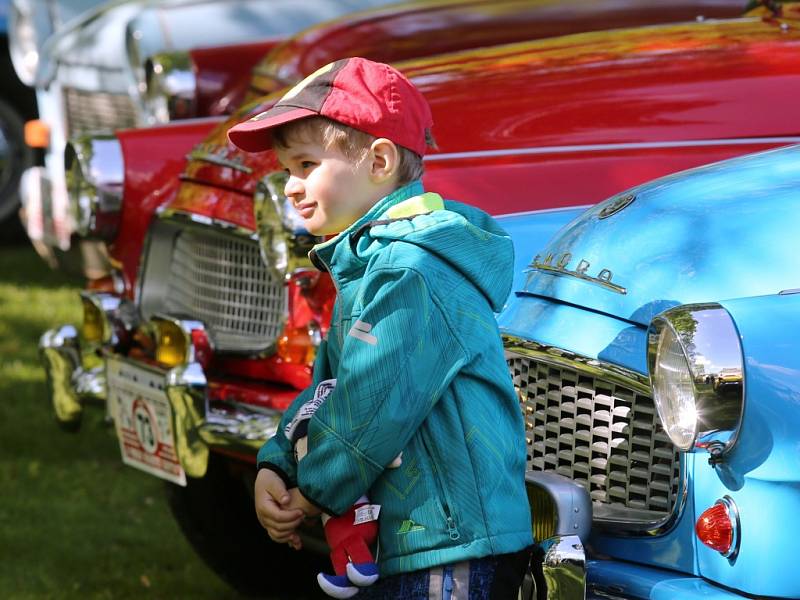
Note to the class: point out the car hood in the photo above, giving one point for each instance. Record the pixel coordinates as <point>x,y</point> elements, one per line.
<point>723,231</point>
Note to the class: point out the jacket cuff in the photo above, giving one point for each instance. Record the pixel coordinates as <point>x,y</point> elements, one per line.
<point>322,507</point>
<point>279,472</point>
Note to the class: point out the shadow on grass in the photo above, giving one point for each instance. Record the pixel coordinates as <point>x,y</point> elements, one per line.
<point>21,266</point>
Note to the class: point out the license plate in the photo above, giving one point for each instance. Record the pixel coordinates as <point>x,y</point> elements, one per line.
<point>143,418</point>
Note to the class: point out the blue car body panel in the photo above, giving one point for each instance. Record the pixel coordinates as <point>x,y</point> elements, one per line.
<point>715,232</point>
<point>725,234</point>
<point>627,581</point>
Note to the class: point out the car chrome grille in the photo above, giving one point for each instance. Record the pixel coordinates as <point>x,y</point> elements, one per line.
<point>222,281</point>
<point>96,111</point>
<point>601,434</point>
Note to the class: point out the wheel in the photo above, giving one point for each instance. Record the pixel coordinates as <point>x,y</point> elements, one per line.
<point>216,515</point>
<point>15,157</point>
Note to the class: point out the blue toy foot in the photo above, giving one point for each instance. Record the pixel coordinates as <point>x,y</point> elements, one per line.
<point>362,574</point>
<point>336,586</point>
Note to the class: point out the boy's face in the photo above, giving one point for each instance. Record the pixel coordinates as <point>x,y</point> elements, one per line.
<point>329,190</point>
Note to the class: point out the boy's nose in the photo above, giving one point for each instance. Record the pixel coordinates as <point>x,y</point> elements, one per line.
<point>293,187</point>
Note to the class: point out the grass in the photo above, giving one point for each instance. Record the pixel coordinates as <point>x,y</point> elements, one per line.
<point>74,521</point>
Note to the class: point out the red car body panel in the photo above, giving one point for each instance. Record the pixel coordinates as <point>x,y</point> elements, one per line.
<point>223,74</point>
<point>577,118</point>
<point>393,34</point>
<point>151,178</point>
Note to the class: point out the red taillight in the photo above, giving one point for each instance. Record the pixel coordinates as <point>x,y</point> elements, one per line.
<point>716,528</point>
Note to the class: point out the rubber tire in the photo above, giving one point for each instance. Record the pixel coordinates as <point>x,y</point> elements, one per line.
<point>21,157</point>
<point>216,515</point>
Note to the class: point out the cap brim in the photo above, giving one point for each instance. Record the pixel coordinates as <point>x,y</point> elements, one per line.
<point>253,135</point>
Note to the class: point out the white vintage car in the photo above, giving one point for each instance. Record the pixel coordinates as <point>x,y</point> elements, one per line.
<point>90,76</point>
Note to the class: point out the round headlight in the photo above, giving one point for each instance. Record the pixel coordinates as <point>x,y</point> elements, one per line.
<point>95,173</point>
<point>673,391</point>
<point>283,239</point>
<point>23,42</point>
<point>697,376</point>
<point>171,87</point>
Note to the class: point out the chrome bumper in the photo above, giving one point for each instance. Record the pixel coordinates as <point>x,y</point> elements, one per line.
<point>74,375</point>
<point>198,427</point>
<point>558,564</point>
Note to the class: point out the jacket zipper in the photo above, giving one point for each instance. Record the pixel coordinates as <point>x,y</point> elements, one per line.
<point>452,529</point>
<point>316,260</point>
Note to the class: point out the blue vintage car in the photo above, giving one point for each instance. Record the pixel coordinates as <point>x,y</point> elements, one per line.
<point>653,344</point>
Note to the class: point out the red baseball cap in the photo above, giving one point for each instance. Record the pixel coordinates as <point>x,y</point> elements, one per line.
<point>365,95</point>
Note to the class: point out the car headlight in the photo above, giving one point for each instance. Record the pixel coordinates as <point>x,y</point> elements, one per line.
<point>23,41</point>
<point>697,376</point>
<point>180,341</point>
<point>95,174</point>
<point>283,238</point>
<point>107,318</point>
<point>171,87</point>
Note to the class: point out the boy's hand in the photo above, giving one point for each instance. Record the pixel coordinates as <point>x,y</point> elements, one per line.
<point>273,509</point>
<point>299,501</point>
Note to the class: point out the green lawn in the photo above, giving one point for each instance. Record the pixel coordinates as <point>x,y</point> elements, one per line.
<point>74,521</point>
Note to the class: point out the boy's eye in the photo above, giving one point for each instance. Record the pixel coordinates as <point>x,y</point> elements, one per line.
<point>306,164</point>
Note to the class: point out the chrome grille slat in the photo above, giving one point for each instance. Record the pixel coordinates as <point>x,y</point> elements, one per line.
<point>599,433</point>
<point>222,281</point>
<point>94,111</point>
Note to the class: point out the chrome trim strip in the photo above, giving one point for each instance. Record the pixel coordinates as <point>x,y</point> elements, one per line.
<point>522,213</point>
<point>182,218</point>
<point>607,147</point>
<point>591,366</point>
<point>619,375</point>
<point>218,160</point>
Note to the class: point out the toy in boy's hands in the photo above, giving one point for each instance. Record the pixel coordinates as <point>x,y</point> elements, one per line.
<point>349,535</point>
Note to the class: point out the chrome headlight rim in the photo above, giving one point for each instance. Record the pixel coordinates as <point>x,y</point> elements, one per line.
<point>711,347</point>
<point>283,240</point>
<point>23,41</point>
<point>95,175</point>
<point>170,87</point>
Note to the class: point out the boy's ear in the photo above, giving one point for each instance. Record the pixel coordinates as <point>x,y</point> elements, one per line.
<point>385,160</point>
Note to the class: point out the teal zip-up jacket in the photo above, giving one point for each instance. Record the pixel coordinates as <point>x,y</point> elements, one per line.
<point>419,364</point>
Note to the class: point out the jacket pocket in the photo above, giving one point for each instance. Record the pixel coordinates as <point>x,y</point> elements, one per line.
<point>441,485</point>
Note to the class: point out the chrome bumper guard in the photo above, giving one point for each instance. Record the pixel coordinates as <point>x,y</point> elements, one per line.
<point>558,566</point>
<point>199,427</point>
<point>74,375</point>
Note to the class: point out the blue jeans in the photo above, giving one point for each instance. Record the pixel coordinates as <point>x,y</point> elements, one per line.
<point>489,578</point>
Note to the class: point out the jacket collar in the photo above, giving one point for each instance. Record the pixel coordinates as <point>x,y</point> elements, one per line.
<point>335,254</point>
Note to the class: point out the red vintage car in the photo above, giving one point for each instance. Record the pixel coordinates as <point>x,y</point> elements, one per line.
<point>215,81</point>
<point>211,321</point>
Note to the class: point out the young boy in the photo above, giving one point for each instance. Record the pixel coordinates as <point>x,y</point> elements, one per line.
<point>413,346</point>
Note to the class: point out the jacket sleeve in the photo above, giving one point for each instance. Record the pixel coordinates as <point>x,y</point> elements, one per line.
<point>398,357</point>
<point>277,453</point>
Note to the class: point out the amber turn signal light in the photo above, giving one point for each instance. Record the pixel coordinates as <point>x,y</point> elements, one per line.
<point>171,344</point>
<point>37,134</point>
<point>296,346</point>
<point>718,527</point>
<point>93,322</point>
